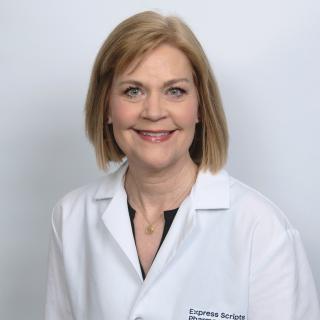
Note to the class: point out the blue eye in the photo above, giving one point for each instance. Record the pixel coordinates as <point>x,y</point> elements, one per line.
<point>132,92</point>
<point>176,91</point>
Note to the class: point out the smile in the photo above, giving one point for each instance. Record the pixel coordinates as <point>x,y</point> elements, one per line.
<point>155,136</point>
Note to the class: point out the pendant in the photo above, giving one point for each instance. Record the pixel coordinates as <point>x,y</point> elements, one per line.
<point>149,229</point>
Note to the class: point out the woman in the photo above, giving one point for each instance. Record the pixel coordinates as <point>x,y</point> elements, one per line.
<point>169,234</point>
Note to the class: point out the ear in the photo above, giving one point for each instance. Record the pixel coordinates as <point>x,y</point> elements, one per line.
<point>108,116</point>
<point>198,115</point>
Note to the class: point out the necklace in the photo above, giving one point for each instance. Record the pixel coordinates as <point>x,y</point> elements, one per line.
<point>151,226</point>
<point>149,229</point>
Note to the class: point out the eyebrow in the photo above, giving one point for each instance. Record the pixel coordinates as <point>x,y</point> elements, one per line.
<point>167,83</point>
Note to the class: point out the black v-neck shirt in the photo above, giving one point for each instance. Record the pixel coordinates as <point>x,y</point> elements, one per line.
<point>168,218</point>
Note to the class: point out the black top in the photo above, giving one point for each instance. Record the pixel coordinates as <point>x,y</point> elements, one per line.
<point>168,218</point>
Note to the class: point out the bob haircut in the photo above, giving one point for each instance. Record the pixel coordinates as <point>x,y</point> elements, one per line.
<point>130,41</point>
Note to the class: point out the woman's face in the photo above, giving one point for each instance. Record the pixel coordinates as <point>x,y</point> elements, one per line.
<point>154,109</point>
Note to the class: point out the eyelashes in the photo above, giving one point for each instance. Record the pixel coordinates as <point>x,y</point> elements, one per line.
<point>134,92</point>
<point>177,91</point>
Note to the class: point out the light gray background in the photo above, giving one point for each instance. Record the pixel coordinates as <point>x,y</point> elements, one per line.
<point>266,58</point>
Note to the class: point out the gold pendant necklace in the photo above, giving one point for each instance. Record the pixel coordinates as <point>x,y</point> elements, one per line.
<point>149,229</point>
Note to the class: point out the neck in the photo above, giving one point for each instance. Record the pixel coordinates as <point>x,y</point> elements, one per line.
<point>157,191</point>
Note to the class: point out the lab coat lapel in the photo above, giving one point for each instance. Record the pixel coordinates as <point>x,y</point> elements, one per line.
<point>180,230</point>
<point>210,192</point>
<point>116,219</point>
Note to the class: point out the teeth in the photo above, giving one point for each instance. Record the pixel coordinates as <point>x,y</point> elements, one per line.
<point>154,134</point>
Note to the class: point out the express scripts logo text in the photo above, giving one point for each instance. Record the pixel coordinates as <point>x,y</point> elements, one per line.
<point>211,315</point>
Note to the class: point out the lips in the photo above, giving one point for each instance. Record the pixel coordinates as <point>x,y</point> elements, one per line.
<point>155,135</point>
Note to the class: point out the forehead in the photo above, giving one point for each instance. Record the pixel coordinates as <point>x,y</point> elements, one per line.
<point>163,62</point>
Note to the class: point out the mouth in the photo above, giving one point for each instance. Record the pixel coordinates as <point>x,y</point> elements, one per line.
<point>155,135</point>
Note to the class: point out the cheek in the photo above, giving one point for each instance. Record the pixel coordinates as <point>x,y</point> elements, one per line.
<point>121,114</point>
<point>188,115</point>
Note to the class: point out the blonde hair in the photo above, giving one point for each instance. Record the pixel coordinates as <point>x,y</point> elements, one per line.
<point>130,40</point>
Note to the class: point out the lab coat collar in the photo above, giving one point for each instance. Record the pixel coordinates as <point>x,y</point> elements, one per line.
<point>109,185</point>
<point>210,191</point>
<point>116,217</point>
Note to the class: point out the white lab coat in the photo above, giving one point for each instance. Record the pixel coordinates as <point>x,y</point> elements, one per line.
<point>229,254</point>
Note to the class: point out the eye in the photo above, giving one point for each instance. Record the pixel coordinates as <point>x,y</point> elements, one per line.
<point>132,92</point>
<point>176,92</point>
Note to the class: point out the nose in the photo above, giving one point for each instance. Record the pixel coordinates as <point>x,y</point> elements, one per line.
<point>153,107</point>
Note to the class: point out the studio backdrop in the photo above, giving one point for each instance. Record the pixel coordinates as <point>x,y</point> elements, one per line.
<point>265,55</point>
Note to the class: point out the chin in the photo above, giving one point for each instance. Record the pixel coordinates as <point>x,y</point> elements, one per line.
<point>155,163</point>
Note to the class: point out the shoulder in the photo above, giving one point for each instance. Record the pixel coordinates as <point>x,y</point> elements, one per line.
<point>252,204</point>
<point>238,202</point>
<point>270,232</point>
